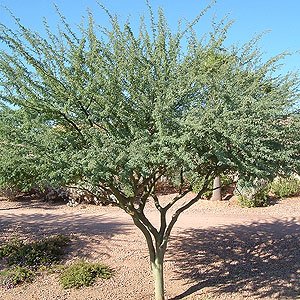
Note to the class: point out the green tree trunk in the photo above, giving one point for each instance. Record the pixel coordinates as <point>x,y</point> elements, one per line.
<point>158,275</point>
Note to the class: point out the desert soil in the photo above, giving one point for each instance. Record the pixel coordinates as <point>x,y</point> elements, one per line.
<point>217,250</point>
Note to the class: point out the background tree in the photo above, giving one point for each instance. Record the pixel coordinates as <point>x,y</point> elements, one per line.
<point>112,111</point>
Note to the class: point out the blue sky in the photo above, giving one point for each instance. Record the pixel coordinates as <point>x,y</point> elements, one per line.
<point>279,17</point>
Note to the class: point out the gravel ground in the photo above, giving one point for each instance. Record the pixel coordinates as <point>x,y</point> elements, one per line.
<point>217,250</point>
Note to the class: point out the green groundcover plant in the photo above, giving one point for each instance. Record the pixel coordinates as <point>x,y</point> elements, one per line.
<point>39,253</point>
<point>82,273</point>
<point>24,260</point>
<point>17,275</point>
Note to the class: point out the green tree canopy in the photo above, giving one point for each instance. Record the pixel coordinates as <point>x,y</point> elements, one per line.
<point>113,111</point>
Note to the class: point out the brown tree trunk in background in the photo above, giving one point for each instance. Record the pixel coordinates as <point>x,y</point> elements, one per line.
<point>217,196</point>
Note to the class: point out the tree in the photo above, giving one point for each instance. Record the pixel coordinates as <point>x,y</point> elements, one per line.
<point>112,111</point>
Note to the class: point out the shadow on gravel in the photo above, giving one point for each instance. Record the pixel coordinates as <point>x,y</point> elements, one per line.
<point>27,204</point>
<point>32,201</point>
<point>259,259</point>
<point>86,231</point>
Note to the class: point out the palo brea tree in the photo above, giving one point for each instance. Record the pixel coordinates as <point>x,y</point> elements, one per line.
<point>112,111</point>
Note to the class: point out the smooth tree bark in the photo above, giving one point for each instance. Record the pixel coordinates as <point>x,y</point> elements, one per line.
<point>158,274</point>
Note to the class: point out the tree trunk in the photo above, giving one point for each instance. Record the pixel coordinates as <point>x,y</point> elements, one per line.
<point>158,275</point>
<point>216,189</point>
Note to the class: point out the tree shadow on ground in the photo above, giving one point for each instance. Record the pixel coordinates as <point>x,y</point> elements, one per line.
<point>32,201</point>
<point>259,259</point>
<point>87,231</point>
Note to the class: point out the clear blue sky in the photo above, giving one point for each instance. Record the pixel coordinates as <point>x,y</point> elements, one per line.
<point>280,17</point>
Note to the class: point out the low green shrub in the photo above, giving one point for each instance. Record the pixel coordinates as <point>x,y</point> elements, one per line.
<point>253,193</point>
<point>12,277</point>
<point>261,199</point>
<point>40,253</point>
<point>24,259</point>
<point>285,187</point>
<point>83,273</point>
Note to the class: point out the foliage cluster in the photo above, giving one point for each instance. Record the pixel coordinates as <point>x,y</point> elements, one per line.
<point>113,111</point>
<point>83,273</point>
<point>25,259</point>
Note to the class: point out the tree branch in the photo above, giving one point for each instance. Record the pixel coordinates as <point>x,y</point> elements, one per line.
<point>180,196</point>
<point>146,222</point>
<point>151,185</point>
<point>147,236</point>
<point>156,202</point>
<point>71,123</point>
<point>183,208</point>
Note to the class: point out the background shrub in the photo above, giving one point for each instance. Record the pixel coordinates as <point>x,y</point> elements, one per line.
<point>285,187</point>
<point>253,193</point>
<point>261,199</point>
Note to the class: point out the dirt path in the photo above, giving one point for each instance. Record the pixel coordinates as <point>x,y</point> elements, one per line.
<point>217,251</point>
